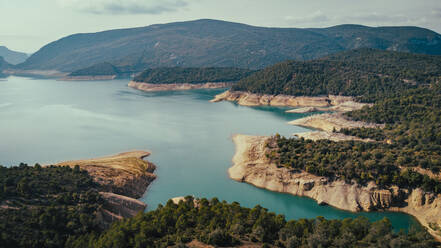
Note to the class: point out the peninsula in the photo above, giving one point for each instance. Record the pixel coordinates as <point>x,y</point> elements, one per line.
<point>380,153</point>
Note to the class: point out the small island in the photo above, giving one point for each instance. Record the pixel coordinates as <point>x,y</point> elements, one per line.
<point>178,78</point>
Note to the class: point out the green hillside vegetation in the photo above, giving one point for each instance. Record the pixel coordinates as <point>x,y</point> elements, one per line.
<point>227,225</point>
<point>179,75</point>
<point>213,43</point>
<point>101,69</point>
<point>45,206</point>
<point>368,73</point>
<point>58,207</point>
<point>410,109</point>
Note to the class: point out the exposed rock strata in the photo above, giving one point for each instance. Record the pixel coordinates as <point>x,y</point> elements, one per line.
<point>319,135</point>
<point>331,121</point>
<point>88,78</point>
<point>251,165</point>
<point>123,177</point>
<point>164,87</point>
<point>311,103</point>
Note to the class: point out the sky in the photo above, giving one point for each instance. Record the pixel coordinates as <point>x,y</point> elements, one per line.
<point>27,25</point>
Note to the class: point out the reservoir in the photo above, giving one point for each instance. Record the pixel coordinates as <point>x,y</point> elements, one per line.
<point>49,121</point>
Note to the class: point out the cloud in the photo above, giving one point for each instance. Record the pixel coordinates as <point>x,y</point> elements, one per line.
<point>117,7</point>
<point>319,19</point>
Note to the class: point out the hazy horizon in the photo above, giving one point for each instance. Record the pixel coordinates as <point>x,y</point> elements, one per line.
<point>58,18</point>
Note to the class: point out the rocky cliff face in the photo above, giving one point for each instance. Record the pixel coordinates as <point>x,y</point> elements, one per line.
<point>330,122</point>
<point>164,87</point>
<point>251,165</point>
<point>123,177</point>
<point>250,99</point>
<point>117,207</point>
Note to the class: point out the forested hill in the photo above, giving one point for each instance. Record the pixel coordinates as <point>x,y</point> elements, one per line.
<point>361,72</point>
<point>229,225</point>
<point>179,75</point>
<point>213,43</point>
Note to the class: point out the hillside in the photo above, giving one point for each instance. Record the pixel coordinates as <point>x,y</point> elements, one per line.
<point>12,57</point>
<point>215,43</point>
<point>361,72</point>
<point>3,66</point>
<point>179,75</point>
<point>101,69</point>
<point>211,223</point>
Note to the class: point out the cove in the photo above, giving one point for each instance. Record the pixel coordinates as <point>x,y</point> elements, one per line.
<point>48,121</point>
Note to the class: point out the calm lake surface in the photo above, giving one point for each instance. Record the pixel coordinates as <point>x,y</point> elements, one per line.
<point>48,121</point>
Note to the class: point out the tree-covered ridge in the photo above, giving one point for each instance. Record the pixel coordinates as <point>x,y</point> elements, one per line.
<point>180,75</point>
<point>363,72</point>
<point>46,206</point>
<point>353,161</point>
<point>101,69</point>
<point>227,225</point>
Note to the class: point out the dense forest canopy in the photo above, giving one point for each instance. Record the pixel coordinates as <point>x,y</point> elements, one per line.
<point>46,206</point>
<point>180,75</point>
<point>411,138</point>
<point>363,72</point>
<point>225,225</point>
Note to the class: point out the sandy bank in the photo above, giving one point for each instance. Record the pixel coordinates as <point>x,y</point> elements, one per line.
<point>330,121</point>
<point>88,78</point>
<point>36,73</point>
<point>124,178</point>
<point>251,165</point>
<point>164,87</point>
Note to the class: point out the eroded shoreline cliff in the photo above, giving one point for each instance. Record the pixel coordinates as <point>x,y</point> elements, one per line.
<point>123,179</point>
<point>251,165</point>
<point>320,103</point>
<point>185,86</point>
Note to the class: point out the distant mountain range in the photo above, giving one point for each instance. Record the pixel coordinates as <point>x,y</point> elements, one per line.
<point>12,57</point>
<point>212,43</point>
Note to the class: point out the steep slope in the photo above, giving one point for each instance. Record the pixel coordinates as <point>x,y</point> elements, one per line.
<point>220,44</point>
<point>362,72</point>
<point>12,57</point>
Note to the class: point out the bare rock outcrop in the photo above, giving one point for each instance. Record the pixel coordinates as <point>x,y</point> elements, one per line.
<point>117,207</point>
<point>186,86</point>
<point>319,135</point>
<point>331,121</point>
<point>250,99</point>
<point>125,173</point>
<point>123,178</point>
<point>251,165</point>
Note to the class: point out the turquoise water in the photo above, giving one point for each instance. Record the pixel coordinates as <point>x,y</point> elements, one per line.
<point>48,121</point>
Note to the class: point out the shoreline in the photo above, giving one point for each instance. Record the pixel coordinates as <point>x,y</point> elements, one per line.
<point>124,178</point>
<point>250,165</point>
<point>185,86</point>
<point>305,103</point>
